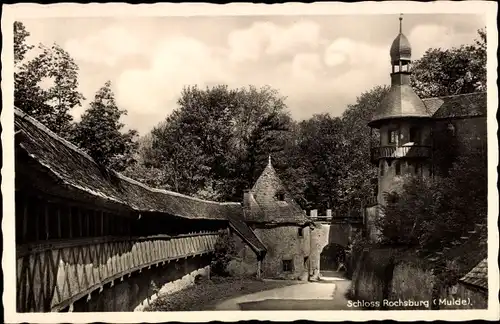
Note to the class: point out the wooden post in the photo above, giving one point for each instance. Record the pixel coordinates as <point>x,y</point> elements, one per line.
<point>59,231</point>
<point>258,268</point>
<point>102,223</point>
<point>70,222</point>
<point>80,221</point>
<point>37,219</point>
<point>25,219</point>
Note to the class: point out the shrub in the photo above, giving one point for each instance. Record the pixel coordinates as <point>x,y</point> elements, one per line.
<point>431,214</point>
<point>225,250</point>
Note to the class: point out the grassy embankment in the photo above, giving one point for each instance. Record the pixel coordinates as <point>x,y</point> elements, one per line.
<point>208,293</point>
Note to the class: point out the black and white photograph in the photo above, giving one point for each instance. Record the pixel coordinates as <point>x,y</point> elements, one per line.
<point>230,159</point>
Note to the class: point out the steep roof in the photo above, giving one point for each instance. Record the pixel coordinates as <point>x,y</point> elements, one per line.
<point>264,204</point>
<point>478,276</point>
<point>237,222</point>
<point>78,170</point>
<point>400,102</point>
<point>456,106</point>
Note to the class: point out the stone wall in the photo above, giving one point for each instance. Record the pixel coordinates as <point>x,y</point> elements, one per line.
<point>284,243</point>
<point>136,292</point>
<point>386,274</point>
<point>245,261</point>
<point>371,214</point>
<point>319,239</point>
<point>473,298</point>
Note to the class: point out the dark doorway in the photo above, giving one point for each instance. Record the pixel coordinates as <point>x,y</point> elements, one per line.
<point>333,258</point>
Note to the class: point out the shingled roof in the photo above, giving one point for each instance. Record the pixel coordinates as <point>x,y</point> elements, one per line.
<point>244,231</point>
<point>456,106</point>
<point>265,207</point>
<point>78,170</point>
<point>478,276</point>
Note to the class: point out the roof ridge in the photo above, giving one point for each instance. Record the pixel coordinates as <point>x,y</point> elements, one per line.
<point>168,192</point>
<point>77,150</point>
<point>39,125</point>
<point>457,95</point>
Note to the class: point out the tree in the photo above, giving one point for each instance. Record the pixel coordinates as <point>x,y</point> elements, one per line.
<point>99,132</point>
<point>48,104</point>
<point>453,71</point>
<point>314,171</point>
<point>432,214</point>
<point>356,183</point>
<point>20,46</point>
<point>224,252</point>
<point>214,143</point>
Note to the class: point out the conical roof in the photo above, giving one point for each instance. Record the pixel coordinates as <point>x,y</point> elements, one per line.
<point>271,207</point>
<point>400,102</point>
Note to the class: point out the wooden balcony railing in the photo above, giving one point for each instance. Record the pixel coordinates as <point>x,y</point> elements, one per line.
<point>399,152</point>
<point>50,277</point>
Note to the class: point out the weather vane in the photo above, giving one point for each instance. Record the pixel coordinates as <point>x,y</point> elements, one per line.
<point>400,23</point>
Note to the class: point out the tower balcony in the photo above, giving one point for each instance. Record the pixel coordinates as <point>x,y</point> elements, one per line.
<point>394,152</point>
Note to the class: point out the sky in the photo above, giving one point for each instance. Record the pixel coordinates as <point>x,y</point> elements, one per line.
<point>319,63</point>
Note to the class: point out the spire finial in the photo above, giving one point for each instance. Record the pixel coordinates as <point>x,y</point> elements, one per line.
<point>269,159</point>
<point>401,23</point>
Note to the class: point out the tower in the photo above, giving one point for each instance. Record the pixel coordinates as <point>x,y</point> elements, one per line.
<point>403,123</point>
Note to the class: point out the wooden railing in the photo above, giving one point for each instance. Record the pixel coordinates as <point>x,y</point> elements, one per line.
<point>51,277</point>
<point>399,152</point>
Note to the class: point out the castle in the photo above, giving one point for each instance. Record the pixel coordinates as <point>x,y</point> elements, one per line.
<point>80,227</point>
<point>414,132</point>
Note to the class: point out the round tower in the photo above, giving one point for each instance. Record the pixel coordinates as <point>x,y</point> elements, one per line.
<point>403,123</point>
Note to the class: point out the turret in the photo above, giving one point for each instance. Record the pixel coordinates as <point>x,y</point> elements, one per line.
<point>403,123</point>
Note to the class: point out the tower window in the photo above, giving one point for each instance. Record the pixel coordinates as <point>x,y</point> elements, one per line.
<point>397,166</point>
<point>418,168</point>
<point>393,136</point>
<point>414,135</point>
<point>301,232</point>
<point>451,129</point>
<point>287,265</point>
<point>280,196</point>
<point>382,167</point>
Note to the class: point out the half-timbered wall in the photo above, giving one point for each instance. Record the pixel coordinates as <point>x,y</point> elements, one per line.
<point>66,252</point>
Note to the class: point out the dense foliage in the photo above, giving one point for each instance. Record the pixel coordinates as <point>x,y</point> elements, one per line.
<point>46,87</point>
<point>99,132</point>
<point>225,251</point>
<point>451,71</point>
<point>218,140</point>
<point>434,213</point>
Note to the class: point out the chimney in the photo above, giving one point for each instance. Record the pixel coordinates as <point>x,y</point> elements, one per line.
<point>314,213</point>
<point>329,213</point>
<point>246,198</point>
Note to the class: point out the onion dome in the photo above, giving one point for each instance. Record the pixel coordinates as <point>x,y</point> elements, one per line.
<point>400,48</point>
